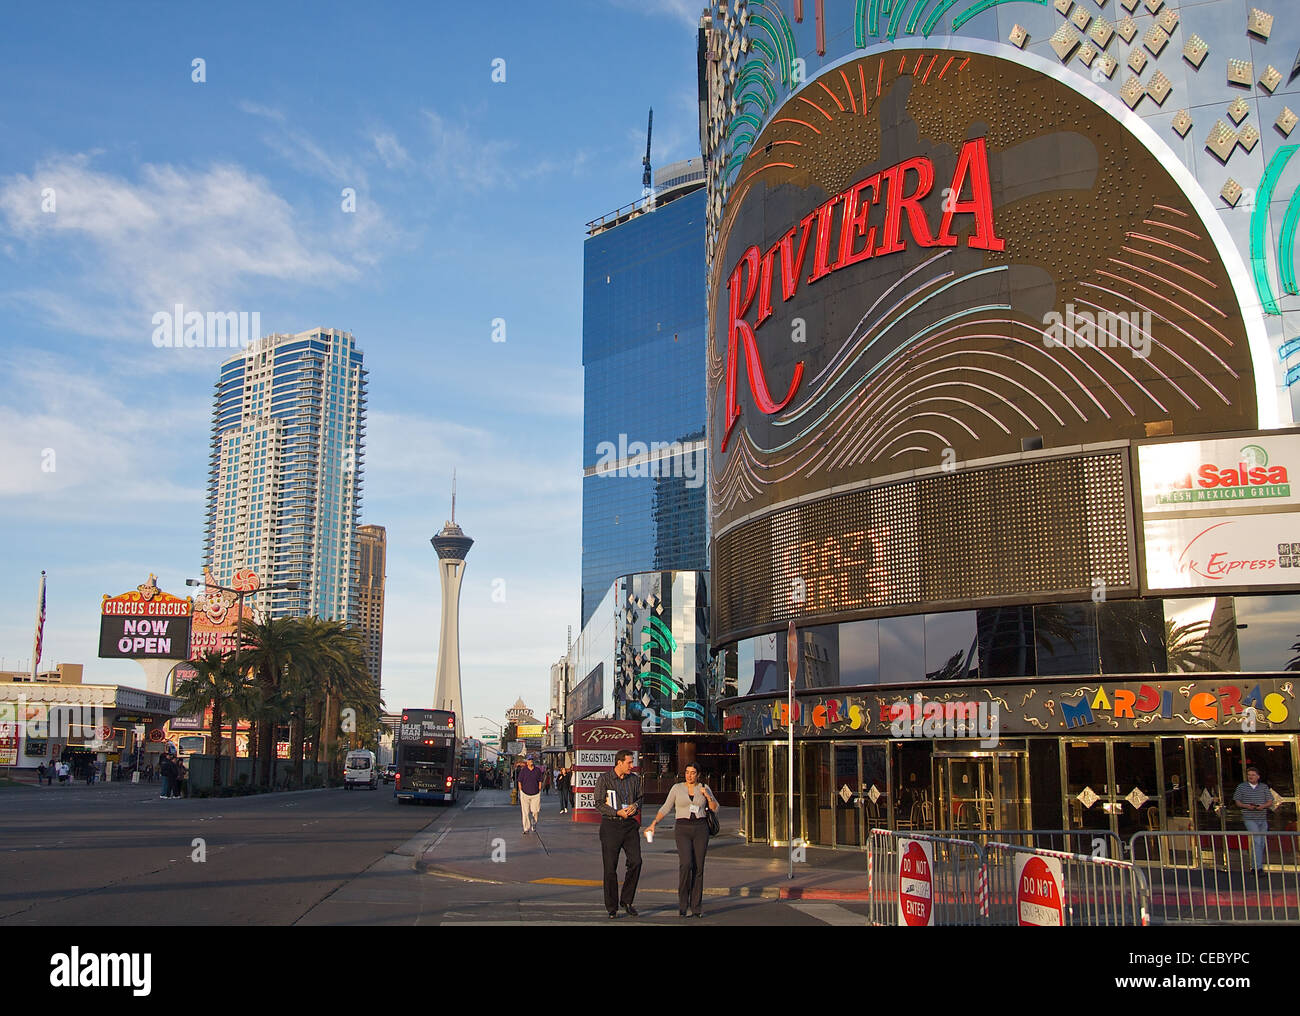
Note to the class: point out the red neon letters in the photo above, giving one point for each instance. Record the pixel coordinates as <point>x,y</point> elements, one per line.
<point>903,187</point>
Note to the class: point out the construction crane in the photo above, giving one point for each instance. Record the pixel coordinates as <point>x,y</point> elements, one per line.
<point>645,163</point>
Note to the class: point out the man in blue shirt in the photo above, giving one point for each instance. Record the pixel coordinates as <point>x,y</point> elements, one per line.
<point>529,779</point>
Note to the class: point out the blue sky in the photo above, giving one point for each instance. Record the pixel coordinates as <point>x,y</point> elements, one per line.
<point>226,195</point>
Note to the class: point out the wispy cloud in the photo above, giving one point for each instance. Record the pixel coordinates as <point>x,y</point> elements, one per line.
<point>172,235</point>
<point>69,439</point>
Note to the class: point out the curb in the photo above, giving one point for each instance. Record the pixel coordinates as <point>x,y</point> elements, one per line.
<point>752,892</point>
<point>852,895</point>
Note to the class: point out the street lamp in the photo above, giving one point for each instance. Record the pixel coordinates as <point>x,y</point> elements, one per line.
<point>239,595</point>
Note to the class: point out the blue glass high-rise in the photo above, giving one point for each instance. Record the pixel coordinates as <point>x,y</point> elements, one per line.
<point>643,334</point>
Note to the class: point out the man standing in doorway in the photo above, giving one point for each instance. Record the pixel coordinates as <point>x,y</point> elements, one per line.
<point>618,799</point>
<point>1255,800</point>
<point>529,779</point>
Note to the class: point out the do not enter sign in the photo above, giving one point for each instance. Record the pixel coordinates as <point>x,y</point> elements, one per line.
<point>915,884</point>
<point>1040,892</point>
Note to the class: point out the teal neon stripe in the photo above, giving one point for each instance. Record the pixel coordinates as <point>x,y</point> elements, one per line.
<point>786,33</point>
<point>741,118</point>
<point>886,6</point>
<point>765,49</point>
<point>662,630</point>
<point>917,11</point>
<point>1259,223</point>
<point>934,17</point>
<point>859,24</point>
<point>1292,376</point>
<point>1286,245</point>
<point>1288,348</point>
<point>873,19</point>
<point>782,60</point>
<point>896,18</point>
<point>984,5</point>
<point>756,72</point>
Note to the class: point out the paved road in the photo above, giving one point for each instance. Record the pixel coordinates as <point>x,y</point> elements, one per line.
<point>118,855</point>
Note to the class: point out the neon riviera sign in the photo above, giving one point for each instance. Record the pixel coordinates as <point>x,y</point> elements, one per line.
<point>857,241</point>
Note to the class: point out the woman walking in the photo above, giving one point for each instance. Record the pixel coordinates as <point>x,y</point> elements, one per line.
<point>689,799</point>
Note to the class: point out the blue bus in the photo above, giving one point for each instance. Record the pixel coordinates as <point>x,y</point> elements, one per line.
<point>427,757</point>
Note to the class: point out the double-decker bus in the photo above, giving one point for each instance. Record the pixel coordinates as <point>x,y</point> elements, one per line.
<point>427,756</point>
<point>471,752</point>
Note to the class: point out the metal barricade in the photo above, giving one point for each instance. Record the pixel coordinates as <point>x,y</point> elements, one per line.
<point>945,890</point>
<point>1208,877</point>
<point>1096,842</point>
<point>1045,887</point>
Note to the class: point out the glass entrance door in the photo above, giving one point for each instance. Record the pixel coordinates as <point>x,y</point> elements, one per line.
<point>1112,786</point>
<point>981,790</point>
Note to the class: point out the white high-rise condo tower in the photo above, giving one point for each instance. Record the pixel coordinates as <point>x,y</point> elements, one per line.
<point>452,545</point>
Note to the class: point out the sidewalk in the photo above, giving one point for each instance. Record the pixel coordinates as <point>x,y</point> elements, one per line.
<point>483,841</point>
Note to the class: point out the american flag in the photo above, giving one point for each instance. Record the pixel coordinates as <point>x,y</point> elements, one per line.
<point>40,627</point>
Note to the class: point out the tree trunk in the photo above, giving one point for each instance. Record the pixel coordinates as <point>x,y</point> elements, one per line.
<point>266,732</point>
<point>234,747</point>
<point>297,734</point>
<point>216,742</point>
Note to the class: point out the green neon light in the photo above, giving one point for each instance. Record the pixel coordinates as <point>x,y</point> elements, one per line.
<point>895,18</point>
<point>741,118</point>
<point>917,11</point>
<point>934,17</point>
<point>1286,245</point>
<point>1259,222</point>
<point>756,72</point>
<point>873,19</point>
<point>770,29</point>
<point>766,50</point>
<point>982,6</point>
<point>859,26</point>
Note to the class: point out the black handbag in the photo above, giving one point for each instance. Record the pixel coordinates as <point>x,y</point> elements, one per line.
<point>711,817</point>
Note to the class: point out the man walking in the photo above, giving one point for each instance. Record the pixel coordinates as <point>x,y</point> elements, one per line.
<point>529,779</point>
<point>1255,800</point>
<point>618,799</point>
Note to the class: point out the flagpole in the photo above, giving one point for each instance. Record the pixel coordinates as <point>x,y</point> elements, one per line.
<point>40,627</point>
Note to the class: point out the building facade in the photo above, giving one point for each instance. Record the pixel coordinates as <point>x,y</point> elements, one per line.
<point>1003,318</point>
<point>644,656</point>
<point>644,311</point>
<point>284,487</point>
<point>372,553</point>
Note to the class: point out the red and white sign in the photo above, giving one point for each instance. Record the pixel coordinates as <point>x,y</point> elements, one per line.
<point>1040,892</point>
<point>915,884</point>
<point>1223,550</point>
<point>1178,477</point>
<point>596,743</point>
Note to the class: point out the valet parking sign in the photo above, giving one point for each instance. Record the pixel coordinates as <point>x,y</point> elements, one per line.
<point>596,743</point>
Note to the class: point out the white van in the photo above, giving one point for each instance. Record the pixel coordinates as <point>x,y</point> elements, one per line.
<point>360,770</point>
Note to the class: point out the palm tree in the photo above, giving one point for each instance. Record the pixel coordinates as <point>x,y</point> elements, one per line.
<point>209,688</point>
<point>268,647</point>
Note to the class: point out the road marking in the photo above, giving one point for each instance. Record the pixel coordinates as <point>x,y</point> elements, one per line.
<point>830,913</point>
<point>568,881</point>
